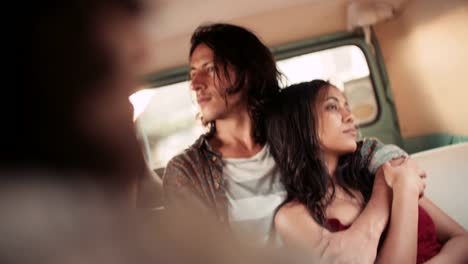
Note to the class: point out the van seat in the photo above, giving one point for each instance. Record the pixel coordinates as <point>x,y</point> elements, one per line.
<point>447,179</point>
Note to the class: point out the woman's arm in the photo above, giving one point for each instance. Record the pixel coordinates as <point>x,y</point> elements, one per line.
<point>400,245</point>
<point>450,233</point>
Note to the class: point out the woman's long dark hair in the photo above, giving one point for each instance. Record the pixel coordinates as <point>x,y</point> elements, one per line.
<point>253,63</point>
<point>292,135</point>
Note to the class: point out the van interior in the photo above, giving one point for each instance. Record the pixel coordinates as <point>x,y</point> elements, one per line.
<point>401,63</point>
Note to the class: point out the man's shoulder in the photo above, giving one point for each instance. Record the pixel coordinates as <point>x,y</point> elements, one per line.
<point>379,153</point>
<point>189,160</point>
<point>187,157</point>
<point>372,141</point>
<point>376,145</point>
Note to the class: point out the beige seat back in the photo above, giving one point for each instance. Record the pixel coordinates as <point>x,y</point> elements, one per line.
<point>447,182</point>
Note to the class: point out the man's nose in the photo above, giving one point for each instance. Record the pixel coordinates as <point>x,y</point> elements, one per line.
<point>197,82</point>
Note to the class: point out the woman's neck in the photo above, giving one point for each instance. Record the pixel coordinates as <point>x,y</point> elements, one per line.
<point>331,162</point>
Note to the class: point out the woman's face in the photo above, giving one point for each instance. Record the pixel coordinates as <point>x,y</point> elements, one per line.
<point>336,129</point>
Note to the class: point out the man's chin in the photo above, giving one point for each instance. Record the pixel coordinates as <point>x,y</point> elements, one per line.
<point>207,119</point>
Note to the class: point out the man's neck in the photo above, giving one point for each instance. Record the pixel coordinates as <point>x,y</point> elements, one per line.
<point>233,137</point>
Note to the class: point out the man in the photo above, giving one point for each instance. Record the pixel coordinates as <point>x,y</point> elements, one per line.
<point>230,170</point>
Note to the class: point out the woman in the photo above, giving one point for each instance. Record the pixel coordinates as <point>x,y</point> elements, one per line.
<point>313,139</point>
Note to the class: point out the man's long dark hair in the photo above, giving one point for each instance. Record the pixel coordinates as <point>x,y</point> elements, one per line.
<point>253,64</point>
<point>292,135</point>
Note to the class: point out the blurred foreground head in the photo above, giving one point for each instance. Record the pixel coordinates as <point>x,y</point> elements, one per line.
<point>76,65</point>
<point>70,147</point>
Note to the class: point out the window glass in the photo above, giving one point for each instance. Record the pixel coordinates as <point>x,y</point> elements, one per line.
<point>167,121</point>
<point>345,67</point>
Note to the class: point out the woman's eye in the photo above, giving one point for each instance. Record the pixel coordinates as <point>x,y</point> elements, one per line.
<point>331,107</point>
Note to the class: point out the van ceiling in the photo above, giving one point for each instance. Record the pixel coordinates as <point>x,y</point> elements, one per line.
<point>170,23</point>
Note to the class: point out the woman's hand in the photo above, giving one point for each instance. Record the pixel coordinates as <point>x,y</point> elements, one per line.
<point>405,175</point>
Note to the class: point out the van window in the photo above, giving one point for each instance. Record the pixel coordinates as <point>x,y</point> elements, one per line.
<point>166,115</point>
<point>345,67</point>
<point>168,122</point>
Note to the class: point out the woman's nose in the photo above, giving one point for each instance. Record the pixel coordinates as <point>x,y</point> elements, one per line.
<point>347,115</point>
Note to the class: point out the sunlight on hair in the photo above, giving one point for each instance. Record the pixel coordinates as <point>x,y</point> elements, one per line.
<point>140,100</point>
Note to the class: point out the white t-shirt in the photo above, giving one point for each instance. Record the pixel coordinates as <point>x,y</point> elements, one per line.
<point>254,192</point>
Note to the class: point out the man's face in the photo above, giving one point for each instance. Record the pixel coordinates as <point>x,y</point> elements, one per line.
<point>210,88</point>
